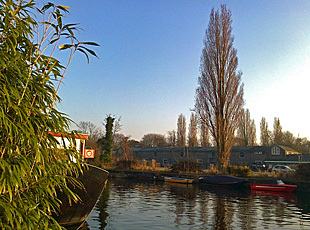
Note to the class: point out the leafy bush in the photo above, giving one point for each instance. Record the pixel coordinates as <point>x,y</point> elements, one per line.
<point>186,166</point>
<point>238,170</point>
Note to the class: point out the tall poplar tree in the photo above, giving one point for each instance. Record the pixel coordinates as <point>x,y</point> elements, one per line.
<point>192,131</point>
<point>219,96</point>
<point>181,132</point>
<point>277,132</point>
<point>204,135</point>
<point>265,134</point>
<point>246,133</point>
<point>172,138</point>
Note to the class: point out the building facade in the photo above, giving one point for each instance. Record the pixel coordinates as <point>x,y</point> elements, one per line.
<point>206,156</point>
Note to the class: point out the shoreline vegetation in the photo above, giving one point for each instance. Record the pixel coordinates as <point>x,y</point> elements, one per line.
<point>150,175</point>
<point>134,169</point>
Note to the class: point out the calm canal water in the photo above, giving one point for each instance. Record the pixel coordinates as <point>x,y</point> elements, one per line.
<point>129,204</point>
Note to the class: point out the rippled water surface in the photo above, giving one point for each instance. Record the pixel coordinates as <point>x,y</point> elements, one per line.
<point>129,204</point>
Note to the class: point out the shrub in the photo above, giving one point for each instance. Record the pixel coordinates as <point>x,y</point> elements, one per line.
<point>186,166</point>
<point>123,163</point>
<point>264,173</point>
<point>213,170</point>
<point>238,170</point>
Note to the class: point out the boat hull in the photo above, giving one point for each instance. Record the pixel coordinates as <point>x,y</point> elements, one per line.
<point>274,187</point>
<point>94,181</point>
<point>178,180</point>
<point>224,180</point>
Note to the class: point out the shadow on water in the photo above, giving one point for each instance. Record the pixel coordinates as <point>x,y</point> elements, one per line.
<point>303,202</point>
<point>182,191</point>
<point>226,191</point>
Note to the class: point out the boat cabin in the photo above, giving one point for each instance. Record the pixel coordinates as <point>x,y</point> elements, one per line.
<point>80,140</point>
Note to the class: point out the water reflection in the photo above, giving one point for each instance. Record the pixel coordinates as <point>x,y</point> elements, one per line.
<point>129,204</point>
<point>102,207</point>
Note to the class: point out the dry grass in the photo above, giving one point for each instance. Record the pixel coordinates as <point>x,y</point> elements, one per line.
<point>263,174</point>
<point>212,171</point>
<point>135,164</point>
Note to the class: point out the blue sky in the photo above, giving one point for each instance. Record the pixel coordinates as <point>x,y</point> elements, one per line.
<point>150,57</point>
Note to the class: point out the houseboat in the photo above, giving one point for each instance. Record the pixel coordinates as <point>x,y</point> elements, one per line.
<point>93,179</point>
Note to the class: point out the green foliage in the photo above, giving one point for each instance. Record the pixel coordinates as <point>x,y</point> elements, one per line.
<point>31,166</point>
<point>186,166</point>
<point>238,170</point>
<point>107,141</point>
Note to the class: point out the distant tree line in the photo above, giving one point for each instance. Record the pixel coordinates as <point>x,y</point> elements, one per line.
<point>198,135</point>
<point>280,137</point>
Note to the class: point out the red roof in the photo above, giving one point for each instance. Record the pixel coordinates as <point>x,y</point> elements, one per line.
<point>77,136</point>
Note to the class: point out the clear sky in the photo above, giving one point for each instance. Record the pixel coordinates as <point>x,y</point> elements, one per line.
<point>150,57</point>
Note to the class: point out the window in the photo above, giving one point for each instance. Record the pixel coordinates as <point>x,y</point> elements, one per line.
<point>213,155</point>
<point>258,153</point>
<point>275,150</point>
<point>199,161</point>
<point>165,161</point>
<point>241,155</point>
<point>155,154</point>
<point>182,154</point>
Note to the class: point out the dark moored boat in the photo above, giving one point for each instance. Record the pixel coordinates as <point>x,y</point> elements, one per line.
<point>275,186</point>
<point>94,181</point>
<point>224,180</point>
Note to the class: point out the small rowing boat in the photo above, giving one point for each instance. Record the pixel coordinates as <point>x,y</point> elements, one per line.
<point>275,186</point>
<point>178,180</point>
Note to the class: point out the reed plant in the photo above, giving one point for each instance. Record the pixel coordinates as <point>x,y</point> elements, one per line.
<point>262,174</point>
<point>32,168</point>
<point>213,170</point>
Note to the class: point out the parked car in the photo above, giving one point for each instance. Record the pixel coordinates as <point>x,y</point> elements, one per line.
<point>282,168</point>
<point>256,167</point>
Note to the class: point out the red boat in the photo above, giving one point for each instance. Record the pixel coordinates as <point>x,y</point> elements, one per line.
<point>276,186</point>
